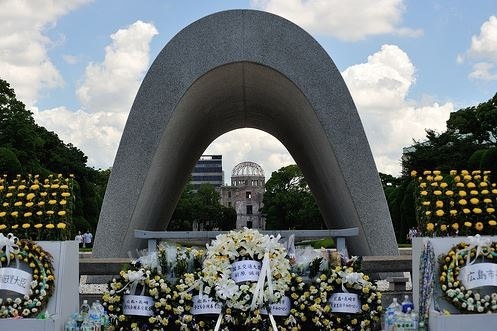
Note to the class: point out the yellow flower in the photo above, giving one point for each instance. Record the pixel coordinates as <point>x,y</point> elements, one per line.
<point>434,184</point>
<point>422,185</point>
<point>423,193</point>
<point>429,178</point>
<point>438,178</point>
<point>49,212</point>
<point>487,200</point>
<point>426,172</point>
<point>490,210</point>
<point>50,226</point>
<point>437,172</point>
<point>453,212</point>
<point>455,226</point>
<point>484,192</point>
<point>427,213</point>
<point>439,204</point>
<point>439,213</point>
<point>473,192</point>
<point>2,214</point>
<point>430,227</point>
<point>457,179</point>
<point>425,203</point>
<point>30,196</point>
<point>413,173</point>
<point>467,224</point>
<point>61,225</point>
<point>54,186</point>
<point>437,192</point>
<point>63,202</point>
<point>453,172</point>
<point>26,226</point>
<point>467,177</point>
<point>39,213</point>
<point>479,226</point>
<point>34,187</point>
<point>443,227</point>
<point>28,214</point>
<point>474,201</point>
<point>483,184</point>
<point>38,225</point>
<point>459,184</point>
<point>29,204</point>
<point>65,194</point>
<point>18,203</point>
<point>14,214</point>
<point>492,223</point>
<point>463,202</point>
<point>471,185</point>
<point>61,213</point>
<point>52,202</point>
<point>466,211</point>
<point>15,226</point>
<point>449,193</point>
<point>43,194</point>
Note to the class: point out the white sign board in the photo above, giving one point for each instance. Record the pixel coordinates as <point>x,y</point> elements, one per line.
<point>281,308</point>
<point>345,303</point>
<point>137,305</point>
<point>245,271</point>
<point>15,280</point>
<point>206,305</point>
<point>478,275</point>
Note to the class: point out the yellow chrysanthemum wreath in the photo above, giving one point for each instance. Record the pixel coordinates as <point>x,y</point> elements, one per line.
<point>41,286</point>
<point>467,300</point>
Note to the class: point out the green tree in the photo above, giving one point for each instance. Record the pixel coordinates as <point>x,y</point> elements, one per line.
<point>39,151</point>
<point>289,203</point>
<point>203,207</point>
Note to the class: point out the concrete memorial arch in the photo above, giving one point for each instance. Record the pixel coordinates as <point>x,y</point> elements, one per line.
<point>235,69</point>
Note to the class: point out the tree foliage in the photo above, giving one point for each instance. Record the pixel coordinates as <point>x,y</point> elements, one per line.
<point>288,202</point>
<point>468,143</point>
<point>203,208</point>
<point>26,147</point>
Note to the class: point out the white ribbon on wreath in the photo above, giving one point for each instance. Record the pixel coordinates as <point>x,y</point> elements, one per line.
<point>10,245</point>
<point>134,278</point>
<point>351,278</point>
<point>478,242</point>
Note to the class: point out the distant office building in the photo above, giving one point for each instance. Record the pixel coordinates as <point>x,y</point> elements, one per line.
<point>208,170</point>
<point>245,195</point>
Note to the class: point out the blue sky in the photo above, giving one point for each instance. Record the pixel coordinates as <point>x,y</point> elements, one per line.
<point>78,64</point>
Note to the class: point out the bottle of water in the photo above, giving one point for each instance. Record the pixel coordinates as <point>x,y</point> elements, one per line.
<point>392,314</point>
<point>104,318</point>
<point>95,317</point>
<point>84,310</point>
<point>71,325</point>
<point>415,320</point>
<point>406,304</point>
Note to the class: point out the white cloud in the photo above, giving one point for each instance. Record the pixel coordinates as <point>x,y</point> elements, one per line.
<point>106,94</point>
<point>111,86</point>
<point>391,121</point>
<point>483,51</point>
<point>24,62</point>
<point>354,20</point>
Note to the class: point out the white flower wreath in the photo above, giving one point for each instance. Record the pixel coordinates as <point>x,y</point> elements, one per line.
<point>247,244</point>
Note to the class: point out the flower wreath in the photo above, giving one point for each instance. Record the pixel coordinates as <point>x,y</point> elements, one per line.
<point>451,265</point>
<point>241,298</point>
<point>42,284</point>
<point>152,284</point>
<point>345,280</point>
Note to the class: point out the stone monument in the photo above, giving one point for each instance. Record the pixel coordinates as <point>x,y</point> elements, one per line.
<point>235,69</point>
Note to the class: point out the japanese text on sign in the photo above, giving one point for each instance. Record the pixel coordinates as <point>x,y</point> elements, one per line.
<point>205,306</point>
<point>281,308</point>
<point>245,271</point>
<point>478,275</point>
<point>345,303</point>
<point>137,305</point>
<point>16,280</point>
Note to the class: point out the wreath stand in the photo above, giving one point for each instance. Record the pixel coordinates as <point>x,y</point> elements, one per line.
<point>65,299</point>
<point>456,321</point>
